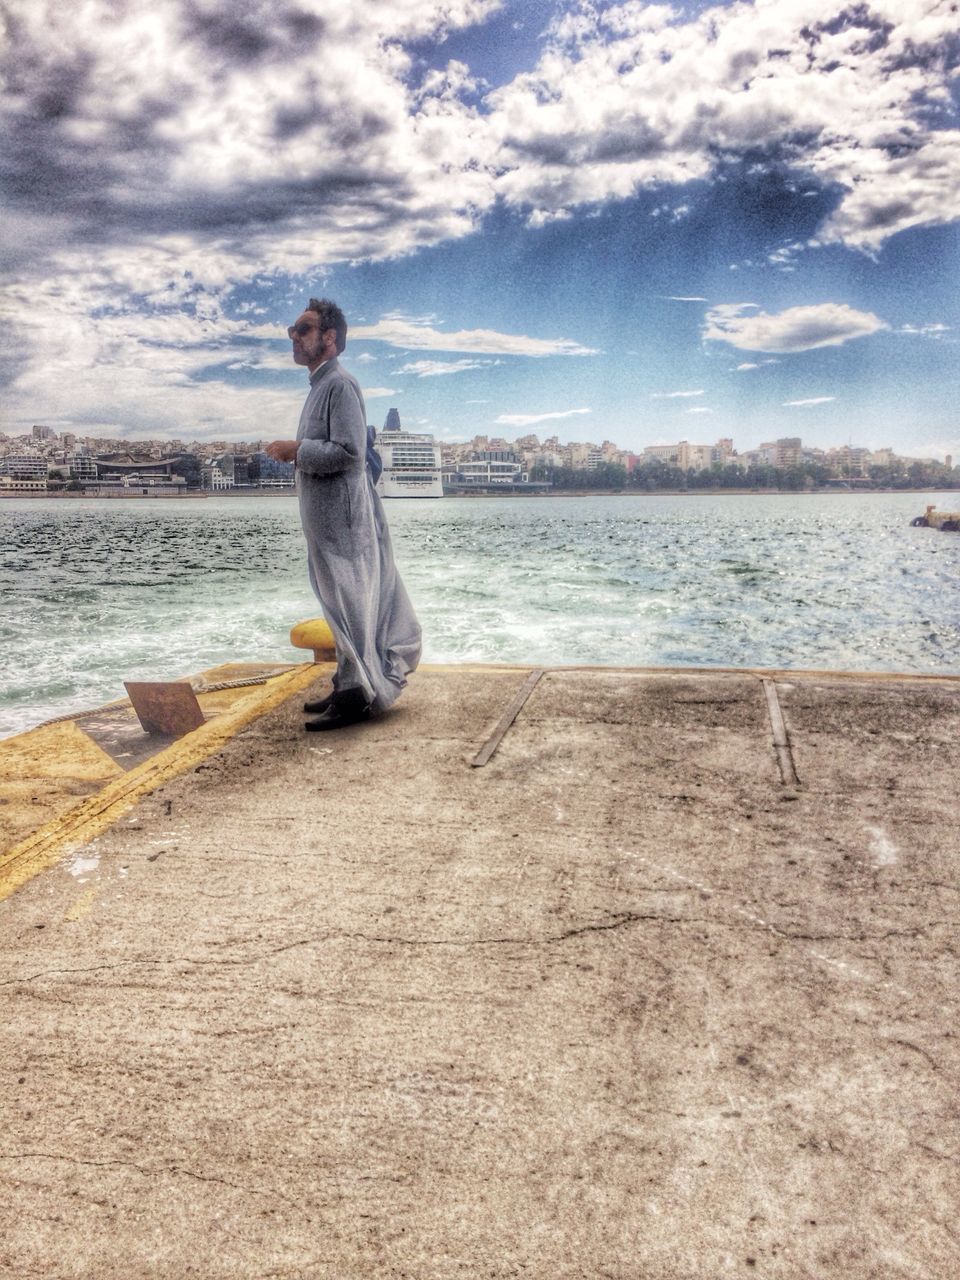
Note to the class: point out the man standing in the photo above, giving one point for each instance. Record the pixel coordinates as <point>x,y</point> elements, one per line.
<point>350,556</point>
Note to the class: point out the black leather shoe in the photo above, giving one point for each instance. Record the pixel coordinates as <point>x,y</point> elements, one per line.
<point>349,707</point>
<point>314,708</point>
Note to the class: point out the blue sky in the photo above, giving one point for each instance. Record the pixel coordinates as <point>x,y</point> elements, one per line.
<point>634,222</point>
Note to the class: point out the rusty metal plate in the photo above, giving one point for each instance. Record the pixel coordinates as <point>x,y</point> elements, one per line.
<point>168,708</point>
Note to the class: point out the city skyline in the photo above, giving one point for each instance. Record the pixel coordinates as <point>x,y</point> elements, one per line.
<point>647,223</point>
<point>45,441</point>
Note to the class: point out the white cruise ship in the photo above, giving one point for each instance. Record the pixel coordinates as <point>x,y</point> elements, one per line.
<point>411,462</point>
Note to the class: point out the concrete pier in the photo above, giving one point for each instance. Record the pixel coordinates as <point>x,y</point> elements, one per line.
<point>665,987</point>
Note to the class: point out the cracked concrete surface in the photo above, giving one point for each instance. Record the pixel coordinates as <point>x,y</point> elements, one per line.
<point>618,1004</point>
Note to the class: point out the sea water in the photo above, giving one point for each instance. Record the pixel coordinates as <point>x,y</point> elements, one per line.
<point>95,592</point>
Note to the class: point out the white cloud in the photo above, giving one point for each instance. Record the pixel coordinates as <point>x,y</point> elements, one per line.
<point>155,156</point>
<point>785,257</point>
<point>454,80</point>
<point>140,373</point>
<point>674,395</point>
<point>671,297</point>
<point>828,324</point>
<point>214,120</point>
<point>854,97</point>
<point>542,217</point>
<point>919,186</point>
<point>147,370</point>
<point>935,331</point>
<point>528,419</point>
<point>377,393</point>
<point>149,399</point>
<point>699,409</point>
<point>437,368</point>
<point>806,404</point>
<point>402,332</point>
<point>211,123</point>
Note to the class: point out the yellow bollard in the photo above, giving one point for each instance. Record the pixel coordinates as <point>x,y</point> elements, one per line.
<point>316,635</point>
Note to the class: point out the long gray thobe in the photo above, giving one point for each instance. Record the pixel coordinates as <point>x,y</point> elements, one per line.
<point>348,543</point>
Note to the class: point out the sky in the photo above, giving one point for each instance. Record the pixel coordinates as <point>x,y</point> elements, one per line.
<point>643,223</point>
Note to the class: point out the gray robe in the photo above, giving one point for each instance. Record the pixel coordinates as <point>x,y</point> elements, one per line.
<point>348,543</point>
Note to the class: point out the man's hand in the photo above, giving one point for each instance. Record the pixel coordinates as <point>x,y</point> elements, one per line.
<point>282,450</point>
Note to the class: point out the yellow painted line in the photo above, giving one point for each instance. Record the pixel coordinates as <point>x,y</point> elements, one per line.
<point>44,847</point>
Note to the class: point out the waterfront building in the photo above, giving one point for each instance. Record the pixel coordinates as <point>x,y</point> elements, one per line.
<point>215,478</point>
<point>578,455</point>
<point>145,476</point>
<point>266,473</point>
<point>623,458</point>
<point>668,453</point>
<point>10,485</point>
<point>548,458</point>
<point>226,471</point>
<point>686,456</point>
<point>847,462</point>
<point>82,465</point>
<point>489,469</point>
<point>786,452</point>
<point>24,472</point>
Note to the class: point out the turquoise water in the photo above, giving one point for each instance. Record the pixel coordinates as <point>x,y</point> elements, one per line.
<point>99,592</point>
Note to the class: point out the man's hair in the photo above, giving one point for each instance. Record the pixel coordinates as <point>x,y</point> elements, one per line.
<point>331,317</point>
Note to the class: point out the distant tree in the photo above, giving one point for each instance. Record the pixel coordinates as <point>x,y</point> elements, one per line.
<point>609,475</point>
<point>793,479</point>
<point>817,472</point>
<point>606,476</point>
<point>709,478</point>
<point>761,476</point>
<point>653,474</point>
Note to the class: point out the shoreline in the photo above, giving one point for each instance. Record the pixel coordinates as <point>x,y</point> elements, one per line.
<point>698,493</point>
<point>193,495</point>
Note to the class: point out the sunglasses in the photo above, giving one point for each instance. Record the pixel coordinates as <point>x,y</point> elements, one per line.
<point>300,330</point>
